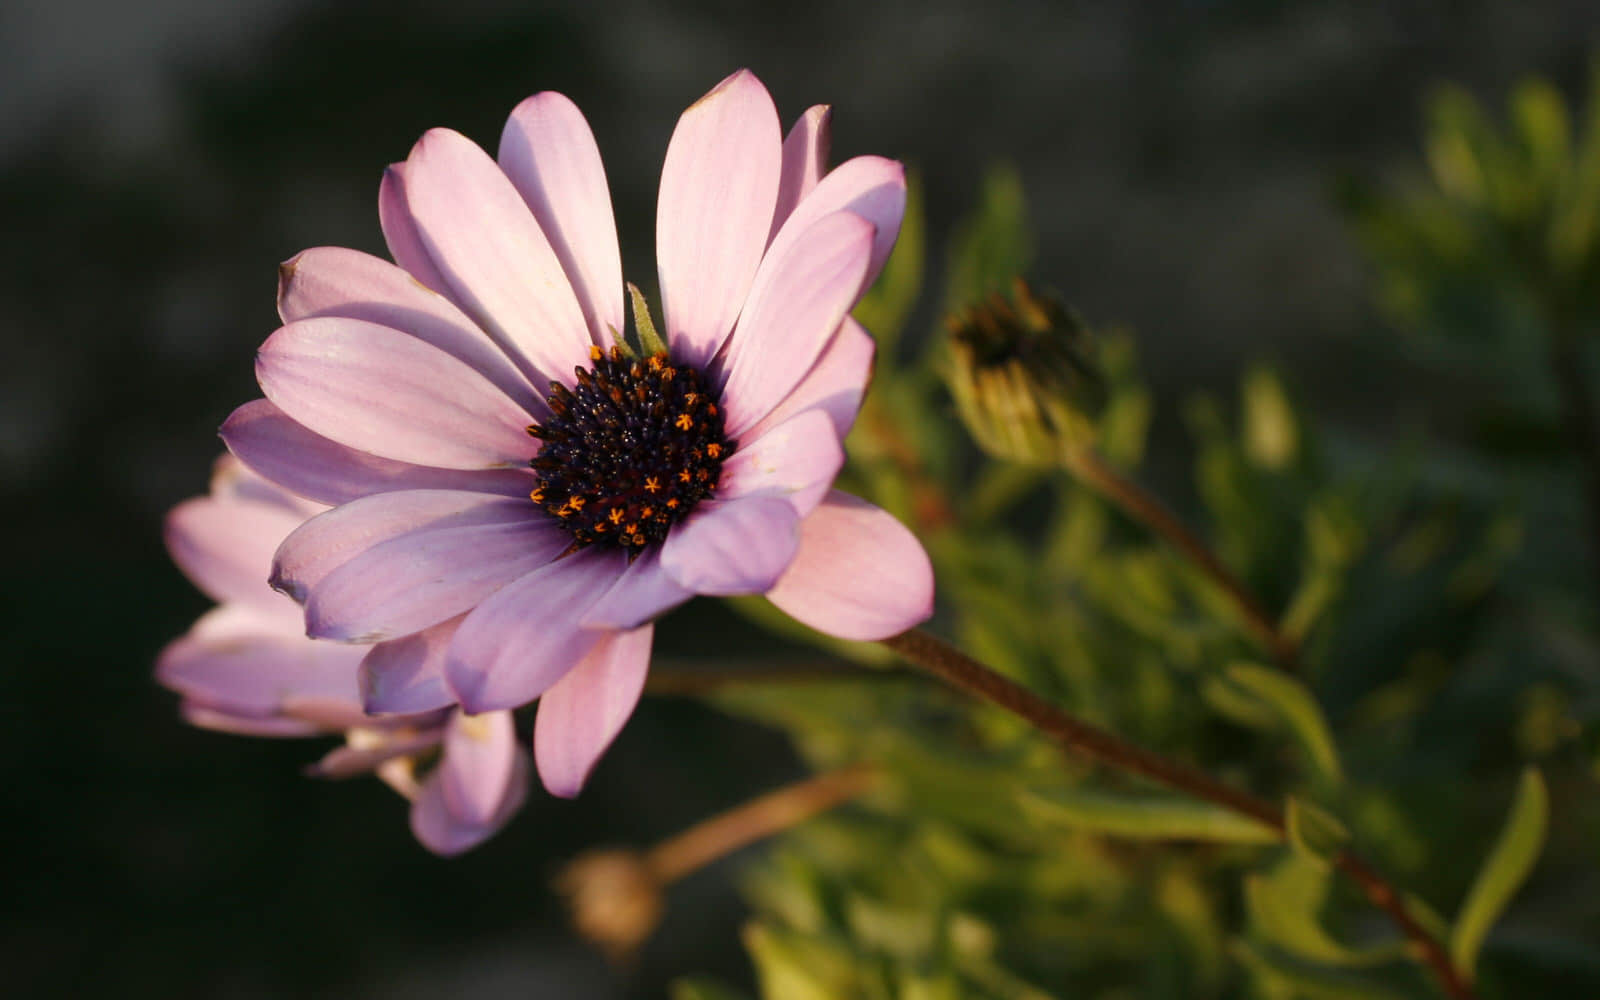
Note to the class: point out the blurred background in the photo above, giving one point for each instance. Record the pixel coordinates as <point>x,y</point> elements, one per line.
<point>1182,163</point>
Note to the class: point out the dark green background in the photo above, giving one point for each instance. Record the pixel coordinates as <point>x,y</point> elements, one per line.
<point>157,161</point>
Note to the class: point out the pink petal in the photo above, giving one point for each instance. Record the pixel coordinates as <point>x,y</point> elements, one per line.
<point>433,572</point>
<point>382,392</point>
<point>643,592</point>
<point>869,186</point>
<point>859,573</point>
<point>582,713</point>
<point>442,832</point>
<point>308,464</point>
<point>480,753</point>
<point>226,547</point>
<point>234,482</point>
<point>805,160</point>
<point>400,231</point>
<point>407,674</point>
<point>492,254</point>
<point>348,761</point>
<point>330,540</point>
<point>550,155</point>
<point>795,461</point>
<point>333,281</point>
<point>516,644</point>
<point>732,547</point>
<point>255,675</point>
<point>718,188</point>
<point>203,716</point>
<point>790,320</point>
<point>835,384</point>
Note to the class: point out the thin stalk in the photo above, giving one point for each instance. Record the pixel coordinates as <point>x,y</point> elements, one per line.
<point>761,817</point>
<point>1136,502</point>
<point>961,671</point>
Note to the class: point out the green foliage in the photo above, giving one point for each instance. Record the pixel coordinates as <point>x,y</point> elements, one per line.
<point>1437,598</point>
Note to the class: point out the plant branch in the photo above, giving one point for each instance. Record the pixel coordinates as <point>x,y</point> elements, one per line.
<point>961,671</point>
<point>1143,507</point>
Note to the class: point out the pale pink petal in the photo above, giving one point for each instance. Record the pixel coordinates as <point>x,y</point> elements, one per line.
<point>407,674</point>
<point>431,573</point>
<point>275,446</point>
<point>718,188</point>
<point>442,832</point>
<point>203,716</point>
<point>330,540</point>
<point>644,591</point>
<point>233,481</point>
<point>391,395</point>
<point>859,573</point>
<point>805,160</point>
<point>255,675</point>
<point>869,186</point>
<point>333,281</point>
<point>788,323</point>
<point>492,254</point>
<point>348,761</point>
<point>550,155</point>
<point>400,231</point>
<point>516,644</point>
<point>480,753</point>
<point>732,547</point>
<point>835,384</point>
<point>583,712</point>
<point>226,547</point>
<point>795,461</point>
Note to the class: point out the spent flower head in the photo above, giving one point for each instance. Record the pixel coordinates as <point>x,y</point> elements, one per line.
<point>516,493</point>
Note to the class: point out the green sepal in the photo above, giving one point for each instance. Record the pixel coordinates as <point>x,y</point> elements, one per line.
<point>644,327</point>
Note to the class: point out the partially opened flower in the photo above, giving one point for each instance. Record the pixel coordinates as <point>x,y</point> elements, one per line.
<point>247,667</point>
<point>517,493</point>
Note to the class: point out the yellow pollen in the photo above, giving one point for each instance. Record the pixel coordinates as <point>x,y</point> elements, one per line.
<point>578,502</point>
<point>672,503</point>
<point>714,450</point>
<point>537,496</point>
<point>601,526</point>
<point>654,361</point>
<point>615,515</point>
<point>691,398</point>
<point>669,373</point>
<point>683,475</point>
<point>565,510</point>
<point>595,353</point>
<point>711,409</point>
<point>646,511</point>
<point>684,421</point>
<point>652,484</point>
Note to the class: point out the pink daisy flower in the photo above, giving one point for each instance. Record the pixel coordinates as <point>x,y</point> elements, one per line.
<point>247,667</point>
<point>517,496</point>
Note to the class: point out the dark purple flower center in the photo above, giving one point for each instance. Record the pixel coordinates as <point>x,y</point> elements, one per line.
<point>629,450</point>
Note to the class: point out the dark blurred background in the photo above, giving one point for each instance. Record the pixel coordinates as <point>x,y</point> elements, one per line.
<point>158,159</point>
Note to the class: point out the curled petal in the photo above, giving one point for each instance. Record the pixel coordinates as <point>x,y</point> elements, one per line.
<point>859,573</point>
<point>442,832</point>
<point>805,160</point>
<point>480,753</point>
<point>729,547</point>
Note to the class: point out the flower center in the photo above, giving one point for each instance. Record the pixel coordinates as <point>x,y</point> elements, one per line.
<point>629,451</point>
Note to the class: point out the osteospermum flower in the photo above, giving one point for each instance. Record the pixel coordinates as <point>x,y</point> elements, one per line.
<point>517,493</point>
<point>247,667</point>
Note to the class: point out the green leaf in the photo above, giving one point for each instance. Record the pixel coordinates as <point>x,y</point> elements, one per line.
<point>992,246</point>
<point>1277,977</point>
<point>704,989</point>
<point>1143,816</point>
<point>1315,832</point>
<point>1504,872</point>
<point>1295,706</point>
<point>1271,432</point>
<point>1285,908</point>
<point>650,341</point>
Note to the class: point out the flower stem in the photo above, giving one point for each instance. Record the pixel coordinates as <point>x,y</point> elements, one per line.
<point>961,671</point>
<point>1136,502</point>
<point>761,817</point>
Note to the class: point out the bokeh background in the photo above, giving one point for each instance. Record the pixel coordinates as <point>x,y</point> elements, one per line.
<point>158,159</point>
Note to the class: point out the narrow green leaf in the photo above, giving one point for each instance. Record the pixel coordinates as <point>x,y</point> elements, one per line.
<point>1277,977</point>
<point>1271,431</point>
<point>704,989</point>
<point>1315,832</point>
<point>1298,709</point>
<point>1143,816</point>
<point>1503,873</point>
<point>1285,908</point>
<point>650,341</point>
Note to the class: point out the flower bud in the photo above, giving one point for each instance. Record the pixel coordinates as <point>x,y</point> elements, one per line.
<point>615,898</point>
<point>1022,378</point>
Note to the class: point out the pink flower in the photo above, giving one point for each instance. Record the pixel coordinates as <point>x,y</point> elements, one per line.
<point>247,667</point>
<point>516,499</point>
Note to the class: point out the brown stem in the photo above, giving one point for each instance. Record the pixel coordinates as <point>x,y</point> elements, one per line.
<point>1140,505</point>
<point>1582,418</point>
<point>761,817</point>
<point>961,671</point>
